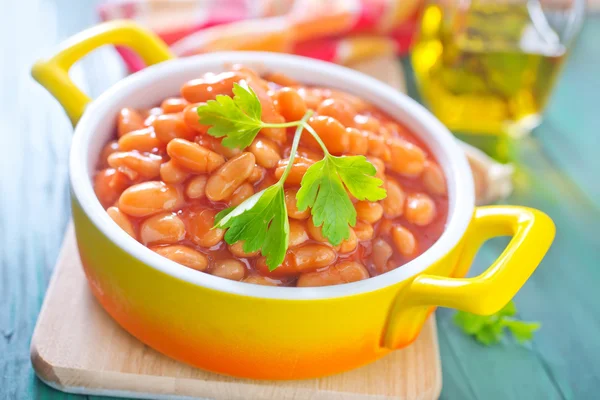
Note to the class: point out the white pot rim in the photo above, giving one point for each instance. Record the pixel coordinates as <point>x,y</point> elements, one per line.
<point>174,72</point>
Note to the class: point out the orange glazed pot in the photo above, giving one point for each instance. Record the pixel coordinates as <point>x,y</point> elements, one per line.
<point>263,332</point>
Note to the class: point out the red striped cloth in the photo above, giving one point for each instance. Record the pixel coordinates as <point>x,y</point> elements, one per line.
<point>340,31</point>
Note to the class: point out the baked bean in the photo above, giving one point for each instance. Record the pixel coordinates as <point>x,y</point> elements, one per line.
<point>384,133</point>
<point>344,272</point>
<point>292,208</point>
<point>109,184</point>
<point>261,280</point>
<point>170,126</point>
<point>407,159</point>
<point>332,133</point>
<point>224,181</point>
<point>209,86</point>
<point>433,179</point>
<point>290,105</point>
<point>122,220</point>
<point>384,228</point>
<point>278,135</point>
<point>199,224</point>
<point>358,141</point>
<point>366,123</point>
<point>397,130</point>
<point>191,119</point>
<point>297,171</point>
<point>257,174</point>
<point>142,140</point>
<point>129,120</point>
<point>380,255</point>
<point>241,193</point>
<point>419,209</point>
<point>195,188</point>
<point>312,96</point>
<point>268,180</point>
<point>281,79</point>
<point>163,228</point>
<point>194,157</point>
<point>358,104</point>
<point>350,244</point>
<point>269,113</point>
<point>150,198</point>
<point>298,234</point>
<point>170,172</point>
<point>312,154</point>
<point>363,231</point>
<point>339,109</point>
<point>379,166</point>
<point>173,105</point>
<point>107,150</point>
<point>393,204</point>
<point>305,258</point>
<point>266,152</point>
<point>378,146</point>
<point>131,174</point>
<point>214,144</point>
<point>315,232</point>
<point>250,75</point>
<point>152,114</point>
<point>229,269</point>
<point>404,240</point>
<point>184,255</point>
<point>147,166</point>
<point>368,211</point>
<point>237,249</point>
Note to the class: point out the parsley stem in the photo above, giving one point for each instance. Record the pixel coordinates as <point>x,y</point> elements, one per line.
<point>317,138</point>
<point>282,125</point>
<point>297,135</point>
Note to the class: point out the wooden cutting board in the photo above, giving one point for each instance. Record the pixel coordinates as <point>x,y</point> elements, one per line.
<point>77,348</point>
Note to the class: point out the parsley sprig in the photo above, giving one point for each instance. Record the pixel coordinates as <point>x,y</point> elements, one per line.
<point>489,330</point>
<point>261,221</point>
<point>322,189</point>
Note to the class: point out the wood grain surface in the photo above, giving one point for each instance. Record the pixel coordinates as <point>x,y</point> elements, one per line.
<point>77,347</point>
<point>558,170</point>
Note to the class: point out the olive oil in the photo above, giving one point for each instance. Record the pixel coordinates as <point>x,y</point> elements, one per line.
<point>487,68</point>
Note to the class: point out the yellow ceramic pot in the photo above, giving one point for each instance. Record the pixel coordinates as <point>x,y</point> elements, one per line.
<point>264,332</point>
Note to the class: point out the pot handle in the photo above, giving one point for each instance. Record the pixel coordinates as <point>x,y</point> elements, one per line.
<point>53,72</point>
<point>532,232</point>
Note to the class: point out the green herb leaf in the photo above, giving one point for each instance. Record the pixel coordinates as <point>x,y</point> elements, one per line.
<point>489,329</point>
<point>322,188</point>
<point>236,119</point>
<point>358,175</point>
<point>489,334</point>
<point>522,331</point>
<point>470,323</point>
<point>222,214</point>
<point>261,221</point>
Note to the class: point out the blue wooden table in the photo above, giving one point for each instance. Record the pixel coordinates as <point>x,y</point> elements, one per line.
<point>558,172</point>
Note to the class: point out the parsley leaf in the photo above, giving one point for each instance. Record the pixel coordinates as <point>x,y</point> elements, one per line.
<point>521,330</point>
<point>261,221</point>
<point>237,118</point>
<point>489,329</point>
<point>323,188</point>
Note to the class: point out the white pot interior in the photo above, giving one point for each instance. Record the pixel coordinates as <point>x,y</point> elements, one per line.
<point>150,86</point>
